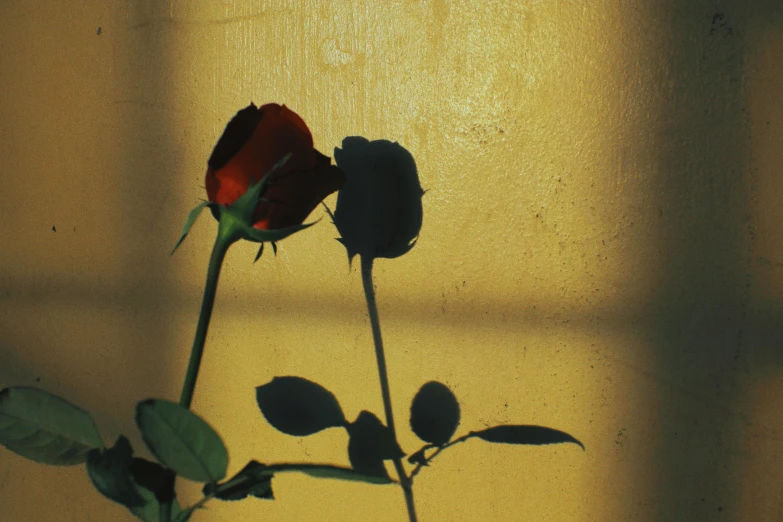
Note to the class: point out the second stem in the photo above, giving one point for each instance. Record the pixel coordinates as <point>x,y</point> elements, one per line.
<point>372,309</point>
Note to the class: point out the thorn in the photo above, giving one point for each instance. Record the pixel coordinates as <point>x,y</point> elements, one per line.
<point>260,251</point>
<point>328,211</point>
<point>274,247</point>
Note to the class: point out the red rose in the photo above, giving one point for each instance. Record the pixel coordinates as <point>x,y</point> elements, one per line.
<point>253,142</point>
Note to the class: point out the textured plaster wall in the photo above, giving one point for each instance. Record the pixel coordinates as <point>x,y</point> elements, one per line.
<point>601,249</point>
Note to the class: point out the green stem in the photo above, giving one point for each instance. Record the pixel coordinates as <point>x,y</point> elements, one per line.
<point>228,233</point>
<point>372,309</point>
<point>164,512</point>
<point>225,237</point>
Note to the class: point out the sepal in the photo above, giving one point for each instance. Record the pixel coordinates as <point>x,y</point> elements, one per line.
<point>193,215</point>
<point>245,207</point>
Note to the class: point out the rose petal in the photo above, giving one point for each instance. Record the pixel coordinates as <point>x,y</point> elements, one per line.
<point>293,196</point>
<point>235,136</point>
<point>252,143</point>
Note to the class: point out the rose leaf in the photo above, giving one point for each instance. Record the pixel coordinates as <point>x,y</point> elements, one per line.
<point>182,441</point>
<point>45,428</point>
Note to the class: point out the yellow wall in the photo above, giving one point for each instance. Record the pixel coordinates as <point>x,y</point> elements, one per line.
<point>601,249</point>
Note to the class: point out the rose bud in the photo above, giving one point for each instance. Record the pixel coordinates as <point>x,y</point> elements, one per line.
<point>254,141</point>
<point>264,177</point>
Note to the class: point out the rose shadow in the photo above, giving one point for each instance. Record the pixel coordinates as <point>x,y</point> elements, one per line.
<point>379,210</point>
